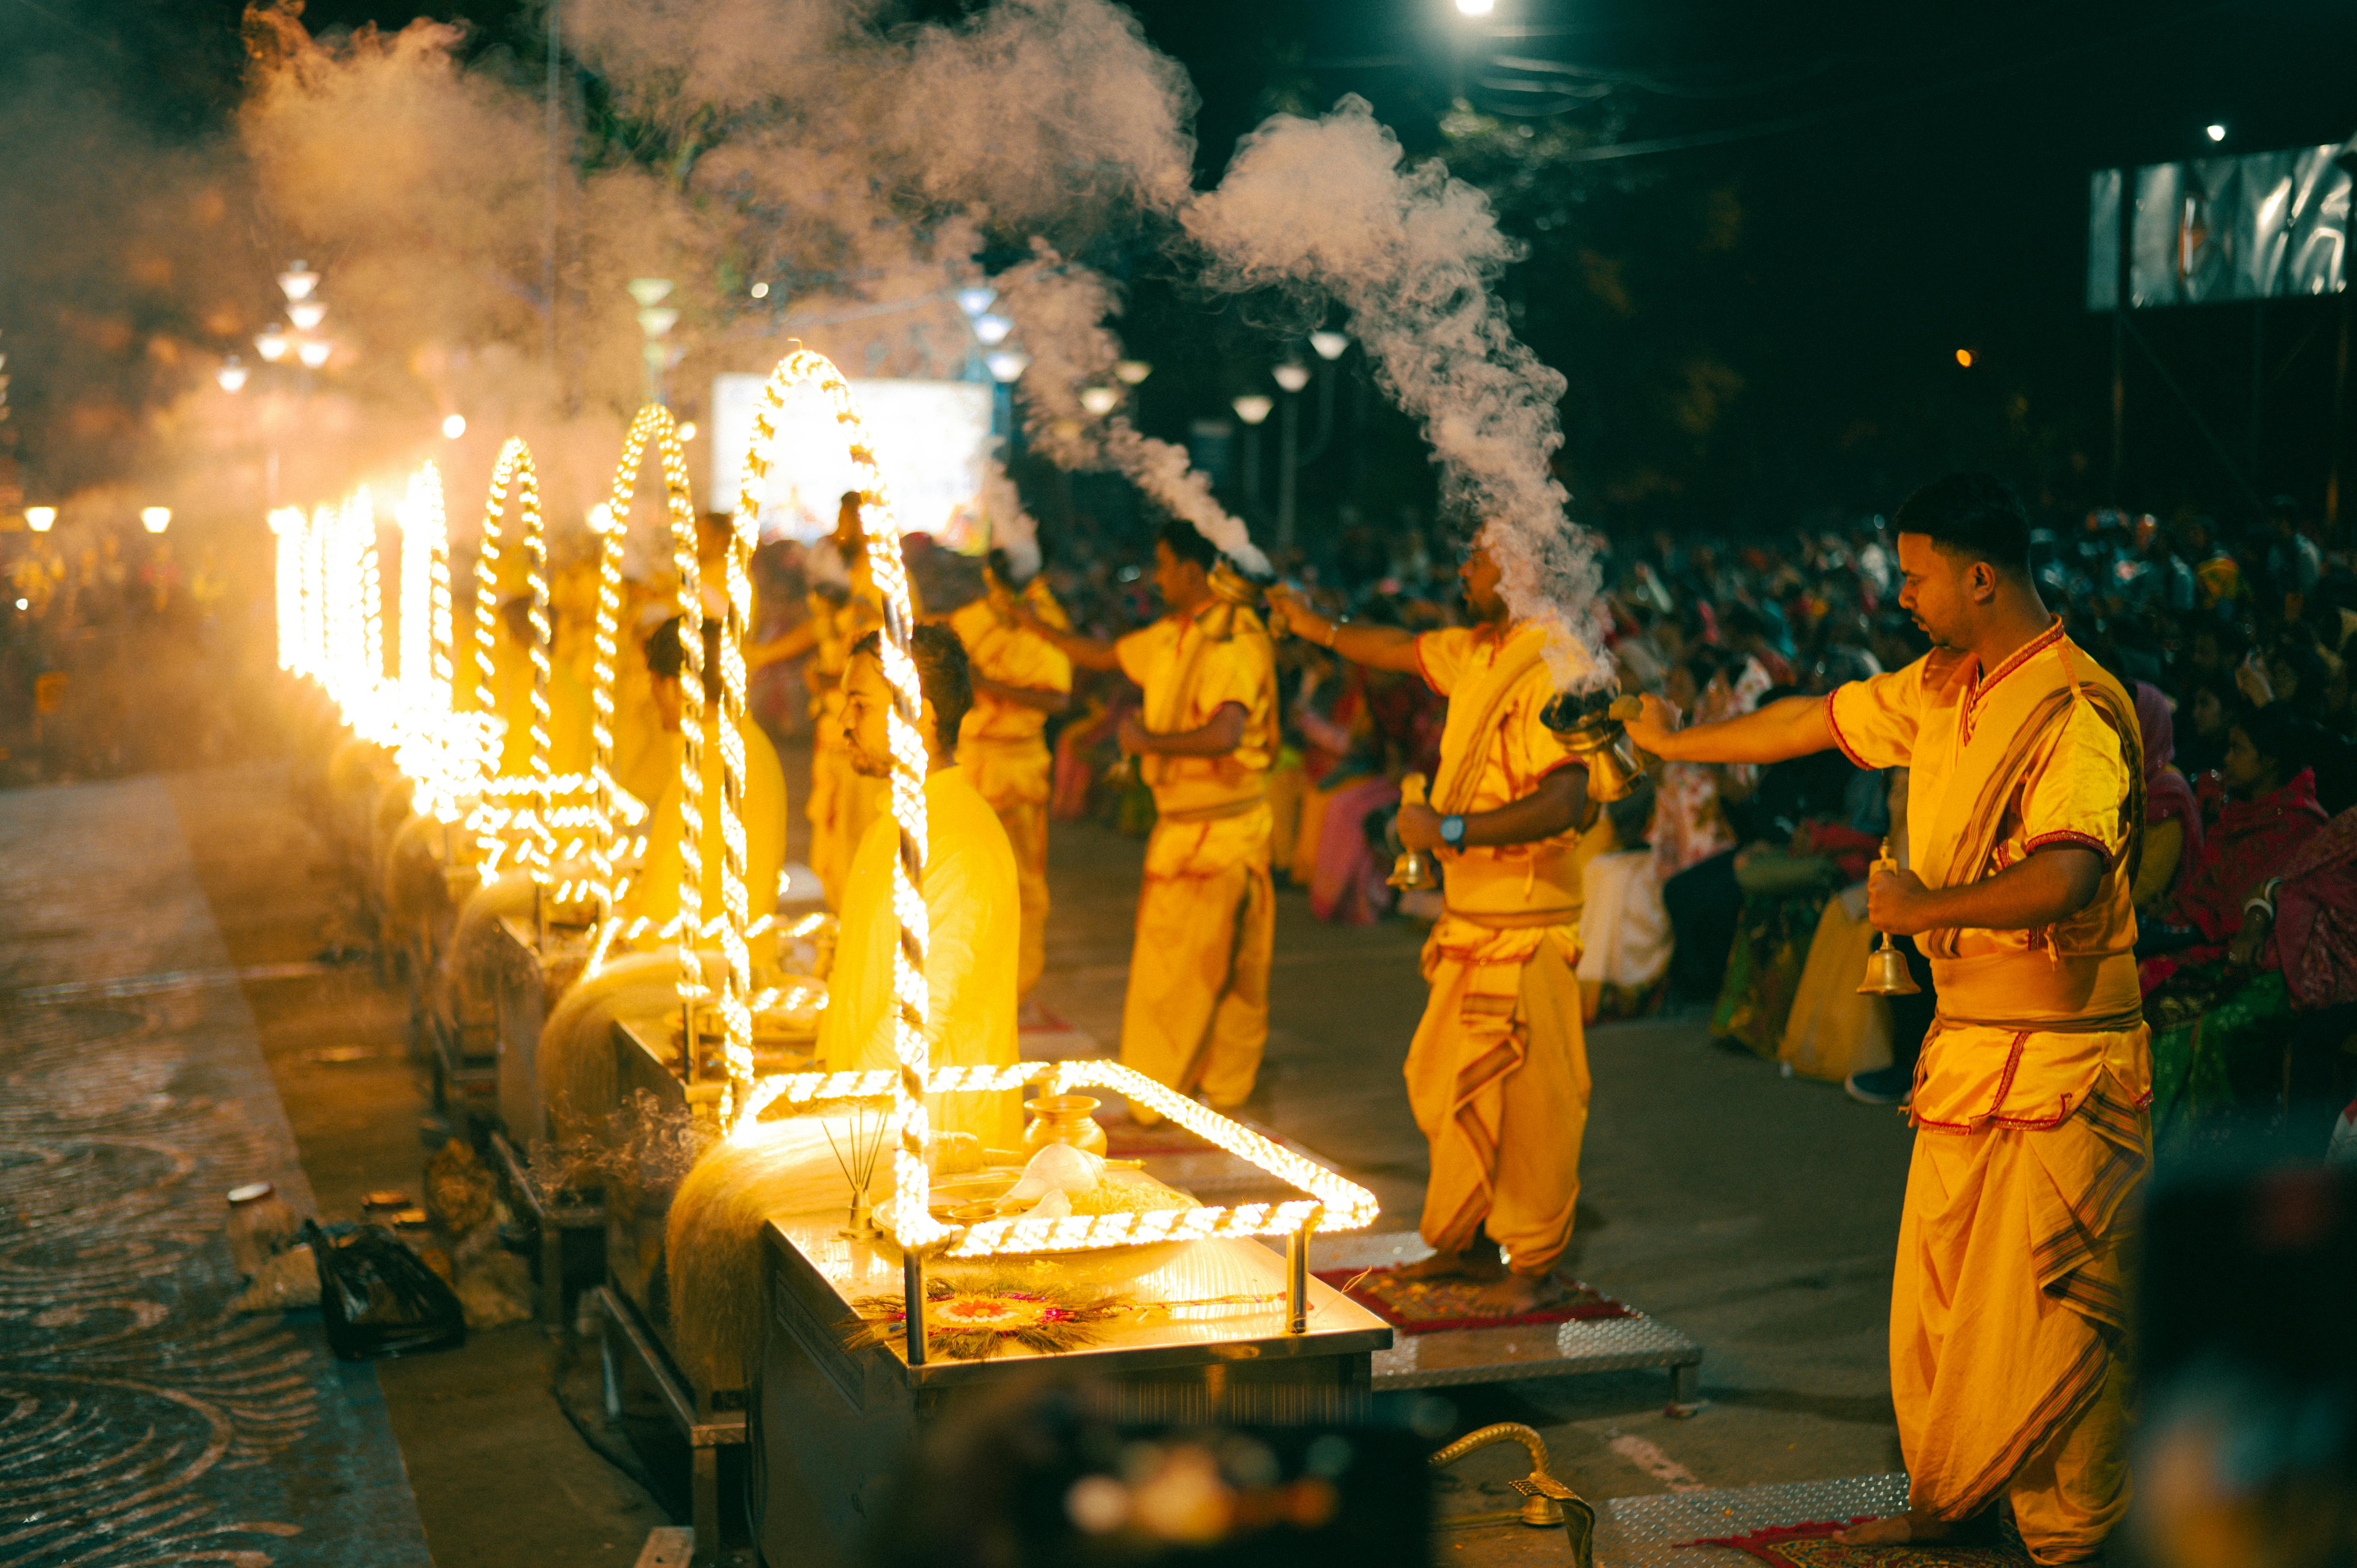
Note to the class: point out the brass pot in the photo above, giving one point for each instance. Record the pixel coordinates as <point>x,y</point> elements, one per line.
<point>1062,1119</point>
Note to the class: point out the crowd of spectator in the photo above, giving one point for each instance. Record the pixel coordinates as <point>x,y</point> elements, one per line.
<point>1739,892</point>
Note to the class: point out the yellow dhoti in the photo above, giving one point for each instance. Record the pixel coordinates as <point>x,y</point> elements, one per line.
<point>2008,1307</point>
<point>1498,1078</point>
<point>1196,1016</point>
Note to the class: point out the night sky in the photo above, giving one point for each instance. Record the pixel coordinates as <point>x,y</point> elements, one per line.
<point>1759,309</point>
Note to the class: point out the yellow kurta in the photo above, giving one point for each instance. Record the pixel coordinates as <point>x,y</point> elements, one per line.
<point>1003,752</point>
<point>654,891</point>
<point>2008,1309</point>
<point>1497,1074</point>
<point>842,804</point>
<point>1196,1016</point>
<point>970,905</point>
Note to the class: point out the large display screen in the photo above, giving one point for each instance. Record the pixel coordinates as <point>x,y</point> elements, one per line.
<point>932,438</point>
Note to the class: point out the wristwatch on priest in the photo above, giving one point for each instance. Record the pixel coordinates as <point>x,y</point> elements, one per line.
<point>1452,832</point>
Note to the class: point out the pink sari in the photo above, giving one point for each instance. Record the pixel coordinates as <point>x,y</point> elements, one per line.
<point>1347,884</point>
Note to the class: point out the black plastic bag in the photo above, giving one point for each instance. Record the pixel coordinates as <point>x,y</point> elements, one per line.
<point>379,1299</point>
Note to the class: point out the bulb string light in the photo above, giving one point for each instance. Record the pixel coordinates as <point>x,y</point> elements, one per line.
<point>654,424</point>
<point>514,470</point>
<point>1333,1203</point>
<point>805,370</point>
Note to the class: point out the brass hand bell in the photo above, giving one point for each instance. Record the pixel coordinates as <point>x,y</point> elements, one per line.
<point>1413,869</point>
<point>1886,966</point>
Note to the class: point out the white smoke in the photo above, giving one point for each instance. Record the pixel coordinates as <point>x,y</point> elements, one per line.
<point>1412,255</point>
<point>1061,310</point>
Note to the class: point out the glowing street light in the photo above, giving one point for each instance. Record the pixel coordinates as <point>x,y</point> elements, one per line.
<point>314,352</point>
<point>2215,133</point>
<point>232,375</point>
<point>974,301</point>
<point>1008,366</point>
<point>759,291</point>
<point>1100,401</point>
<point>1964,358</point>
<point>272,343</point>
<point>298,280</point>
<point>648,292</point>
<point>992,330</point>
<point>454,425</point>
<point>1292,377</point>
<point>1252,408</point>
<point>40,519</point>
<point>1129,372</point>
<point>156,519</point>
<point>306,313</point>
<point>1330,344</point>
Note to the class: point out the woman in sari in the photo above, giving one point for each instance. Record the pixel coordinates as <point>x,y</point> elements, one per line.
<point>2172,821</point>
<point>2216,996</point>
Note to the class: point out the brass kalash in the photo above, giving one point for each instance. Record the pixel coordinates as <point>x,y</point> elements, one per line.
<point>1593,724</point>
<point>1886,966</point>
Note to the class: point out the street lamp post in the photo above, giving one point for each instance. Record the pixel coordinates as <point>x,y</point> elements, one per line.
<point>1291,377</point>
<point>1252,408</point>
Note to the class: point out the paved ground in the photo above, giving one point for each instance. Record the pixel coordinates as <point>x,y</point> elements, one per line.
<point>1757,1214</point>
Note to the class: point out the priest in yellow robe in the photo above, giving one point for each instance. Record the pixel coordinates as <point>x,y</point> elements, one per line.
<point>1020,679</point>
<point>1196,1015</point>
<point>1497,1074</point>
<point>2007,1308</point>
<point>972,905</point>
<point>654,890</point>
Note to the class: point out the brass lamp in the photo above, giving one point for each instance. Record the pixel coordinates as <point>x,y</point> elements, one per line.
<point>1413,869</point>
<point>1591,726</point>
<point>1886,966</point>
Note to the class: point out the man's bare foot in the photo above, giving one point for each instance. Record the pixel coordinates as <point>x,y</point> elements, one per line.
<point>1479,1262</point>
<point>1511,1294</point>
<point>1897,1530</point>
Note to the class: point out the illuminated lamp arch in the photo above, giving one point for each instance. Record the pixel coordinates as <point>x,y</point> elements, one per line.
<point>514,470</point>
<point>807,371</point>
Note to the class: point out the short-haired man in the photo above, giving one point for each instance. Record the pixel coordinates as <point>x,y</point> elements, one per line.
<point>1020,679</point>
<point>970,905</point>
<point>1497,1074</point>
<point>2007,1308</point>
<point>1196,1016</point>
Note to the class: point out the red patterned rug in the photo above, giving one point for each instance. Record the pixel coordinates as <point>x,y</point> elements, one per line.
<point>1436,1307</point>
<point>1813,1546</point>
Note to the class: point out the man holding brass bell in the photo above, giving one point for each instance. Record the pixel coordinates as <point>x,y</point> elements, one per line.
<point>2007,1308</point>
<point>1498,1071</point>
<point>1196,1015</point>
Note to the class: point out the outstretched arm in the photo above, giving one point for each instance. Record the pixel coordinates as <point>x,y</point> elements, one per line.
<point>1087,652</point>
<point>1378,647</point>
<point>1793,728</point>
<point>1045,699</point>
<point>2052,885</point>
<point>1216,737</point>
<point>789,644</point>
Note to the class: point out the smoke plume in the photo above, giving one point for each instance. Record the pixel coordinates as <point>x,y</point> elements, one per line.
<point>1062,310</point>
<point>1412,256</point>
